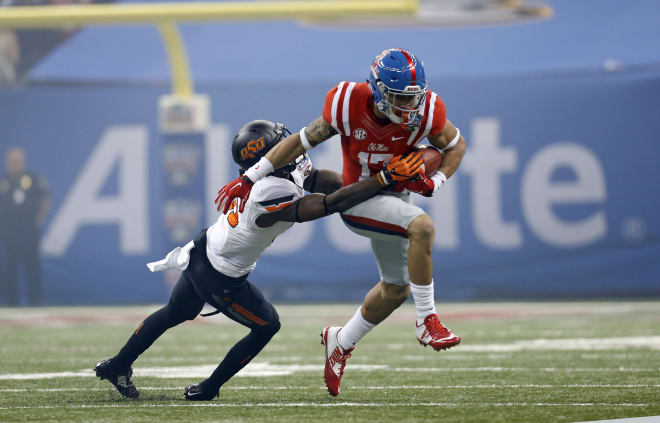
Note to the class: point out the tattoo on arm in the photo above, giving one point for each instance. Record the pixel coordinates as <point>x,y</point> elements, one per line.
<point>319,131</point>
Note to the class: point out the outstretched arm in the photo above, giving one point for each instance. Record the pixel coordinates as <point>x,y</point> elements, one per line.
<point>315,206</point>
<point>323,181</point>
<point>294,145</point>
<point>283,153</point>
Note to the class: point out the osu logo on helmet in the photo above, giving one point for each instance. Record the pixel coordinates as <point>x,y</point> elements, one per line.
<point>252,147</point>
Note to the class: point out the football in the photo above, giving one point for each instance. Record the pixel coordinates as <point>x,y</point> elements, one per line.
<point>432,159</point>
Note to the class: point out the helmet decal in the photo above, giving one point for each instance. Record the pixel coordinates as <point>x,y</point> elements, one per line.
<point>255,139</point>
<point>252,147</point>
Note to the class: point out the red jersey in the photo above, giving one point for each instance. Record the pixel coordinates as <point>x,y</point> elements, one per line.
<point>368,141</point>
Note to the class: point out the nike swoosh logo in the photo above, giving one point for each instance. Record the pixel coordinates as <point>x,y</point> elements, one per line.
<point>396,138</point>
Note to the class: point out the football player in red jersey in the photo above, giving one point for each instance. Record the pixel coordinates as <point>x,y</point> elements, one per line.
<point>378,120</point>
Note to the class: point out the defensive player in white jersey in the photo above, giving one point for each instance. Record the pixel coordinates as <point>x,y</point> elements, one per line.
<point>217,262</point>
<point>378,120</point>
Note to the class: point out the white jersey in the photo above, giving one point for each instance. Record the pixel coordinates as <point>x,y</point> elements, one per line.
<point>235,242</point>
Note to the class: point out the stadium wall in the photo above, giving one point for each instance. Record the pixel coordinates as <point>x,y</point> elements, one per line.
<point>556,197</point>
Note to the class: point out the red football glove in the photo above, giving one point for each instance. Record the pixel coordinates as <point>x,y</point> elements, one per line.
<point>421,185</point>
<point>238,188</point>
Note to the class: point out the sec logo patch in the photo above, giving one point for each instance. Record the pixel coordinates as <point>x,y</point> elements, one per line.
<point>360,134</point>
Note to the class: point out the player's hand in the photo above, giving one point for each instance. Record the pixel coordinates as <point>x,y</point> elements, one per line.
<point>401,169</point>
<point>238,188</point>
<point>421,185</point>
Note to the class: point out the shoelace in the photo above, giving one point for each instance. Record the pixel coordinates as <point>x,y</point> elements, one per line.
<point>342,360</point>
<point>435,327</point>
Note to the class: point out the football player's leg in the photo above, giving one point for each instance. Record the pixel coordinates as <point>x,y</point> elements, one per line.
<point>420,264</point>
<point>392,290</point>
<point>185,304</point>
<point>430,331</point>
<point>386,296</point>
<point>379,303</point>
<point>385,219</point>
<point>248,307</point>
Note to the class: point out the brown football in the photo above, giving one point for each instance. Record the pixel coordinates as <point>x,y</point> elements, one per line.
<point>432,159</point>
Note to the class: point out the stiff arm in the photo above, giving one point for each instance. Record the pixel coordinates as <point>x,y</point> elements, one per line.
<point>292,147</point>
<point>314,206</point>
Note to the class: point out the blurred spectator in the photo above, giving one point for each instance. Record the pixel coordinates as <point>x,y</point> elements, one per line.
<point>24,48</point>
<point>24,201</point>
<point>10,54</point>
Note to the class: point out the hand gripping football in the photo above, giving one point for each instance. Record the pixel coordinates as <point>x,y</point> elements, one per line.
<point>432,159</point>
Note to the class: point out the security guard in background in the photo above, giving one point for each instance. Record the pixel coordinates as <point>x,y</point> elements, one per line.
<point>24,201</point>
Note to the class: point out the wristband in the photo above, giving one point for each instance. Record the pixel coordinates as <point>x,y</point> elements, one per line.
<point>384,177</point>
<point>262,168</point>
<point>304,141</point>
<point>438,179</point>
<point>325,205</point>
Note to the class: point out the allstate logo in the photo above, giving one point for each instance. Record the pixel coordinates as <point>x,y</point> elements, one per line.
<point>360,134</point>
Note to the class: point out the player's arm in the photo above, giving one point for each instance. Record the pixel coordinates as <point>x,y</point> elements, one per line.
<point>315,206</point>
<point>283,153</point>
<point>450,141</point>
<point>323,181</point>
<point>453,144</point>
<point>296,144</point>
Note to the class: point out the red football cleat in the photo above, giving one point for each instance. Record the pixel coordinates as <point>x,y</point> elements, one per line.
<point>335,359</point>
<point>432,332</point>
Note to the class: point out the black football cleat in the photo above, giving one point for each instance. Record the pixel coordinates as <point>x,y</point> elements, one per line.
<point>121,379</point>
<point>197,392</point>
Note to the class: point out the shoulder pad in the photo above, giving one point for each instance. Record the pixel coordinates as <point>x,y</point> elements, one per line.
<point>272,193</point>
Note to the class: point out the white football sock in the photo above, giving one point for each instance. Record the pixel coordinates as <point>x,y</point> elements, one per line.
<point>424,300</point>
<point>354,330</point>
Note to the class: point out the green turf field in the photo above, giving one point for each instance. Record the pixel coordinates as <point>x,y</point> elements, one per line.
<point>518,362</point>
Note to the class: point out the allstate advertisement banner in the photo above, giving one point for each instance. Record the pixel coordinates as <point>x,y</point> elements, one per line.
<point>556,196</point>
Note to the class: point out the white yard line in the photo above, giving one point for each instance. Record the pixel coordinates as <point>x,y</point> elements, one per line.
<point>263,369</point>
<point>304,388</point>
<point>569,344</point>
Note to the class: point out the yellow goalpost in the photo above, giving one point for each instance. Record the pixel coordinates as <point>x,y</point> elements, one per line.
<point>166,16</point>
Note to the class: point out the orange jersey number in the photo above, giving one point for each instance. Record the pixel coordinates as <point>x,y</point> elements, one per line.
<point>232,216</point>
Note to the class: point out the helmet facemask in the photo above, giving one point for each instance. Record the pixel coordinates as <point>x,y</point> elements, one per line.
<point>398,85</point>
<point>400,106</point>
<point>293,165</point>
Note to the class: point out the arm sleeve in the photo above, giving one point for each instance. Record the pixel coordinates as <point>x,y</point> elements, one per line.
<point>439,116</point>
